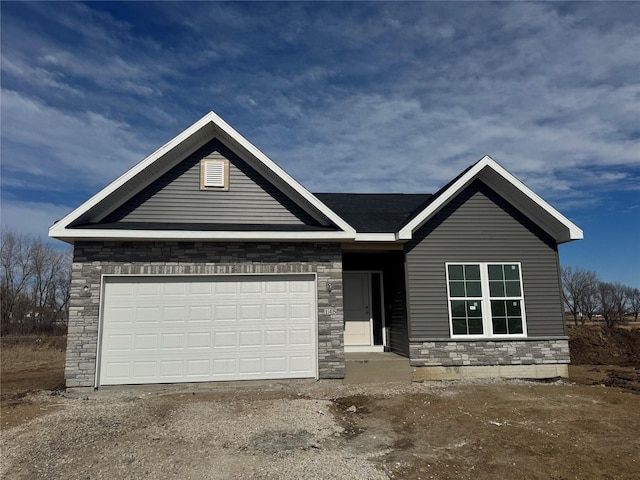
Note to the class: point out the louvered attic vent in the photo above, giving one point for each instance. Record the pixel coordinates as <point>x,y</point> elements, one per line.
<point>214,175</point>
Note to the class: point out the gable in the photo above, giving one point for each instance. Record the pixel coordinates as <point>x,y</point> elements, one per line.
<point>480,215</point>
<point>479,225</point>
<point>516,193</point>
<point>176,197</point>
<point>140,204</point>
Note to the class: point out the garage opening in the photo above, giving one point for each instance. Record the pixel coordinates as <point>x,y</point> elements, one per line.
<point>171,329</point>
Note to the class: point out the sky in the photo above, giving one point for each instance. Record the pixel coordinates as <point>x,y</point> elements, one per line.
<point>345,96</point>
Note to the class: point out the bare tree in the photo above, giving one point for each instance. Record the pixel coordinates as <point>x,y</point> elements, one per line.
<point>578,287</point>
<point>589,302</point>
<point>16,270</point>
<point>619,299</point>
<point>634,302</point>
<point>606,303</point>
<point>34,284</point>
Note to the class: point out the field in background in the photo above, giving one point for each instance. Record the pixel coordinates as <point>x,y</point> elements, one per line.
<point>31,363</point>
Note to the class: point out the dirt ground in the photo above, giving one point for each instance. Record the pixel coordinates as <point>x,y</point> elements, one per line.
<point>584,427</point>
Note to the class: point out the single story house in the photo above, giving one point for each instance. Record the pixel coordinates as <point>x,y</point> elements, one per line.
<point>208,262</point>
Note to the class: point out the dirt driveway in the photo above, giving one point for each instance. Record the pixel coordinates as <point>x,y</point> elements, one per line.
<point>328,430</point>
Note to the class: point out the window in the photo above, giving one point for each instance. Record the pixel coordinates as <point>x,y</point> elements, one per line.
<point>485,299</point>
<point>214,175</point>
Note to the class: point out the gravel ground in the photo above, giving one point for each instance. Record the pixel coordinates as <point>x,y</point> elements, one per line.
<point>170,432</point>
<point>328,430</point>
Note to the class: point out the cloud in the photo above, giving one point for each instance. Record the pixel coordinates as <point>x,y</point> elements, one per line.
<point>60,148</point>
<point>33,218</point>
<point>345,96</point>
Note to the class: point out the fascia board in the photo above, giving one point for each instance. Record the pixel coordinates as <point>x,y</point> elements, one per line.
<point>284,176</point>
<point>187,235</point>
<point>572,232</point>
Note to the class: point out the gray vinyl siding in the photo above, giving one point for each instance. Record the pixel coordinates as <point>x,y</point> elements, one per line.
<point>176,196</point>
<point>480,226</point>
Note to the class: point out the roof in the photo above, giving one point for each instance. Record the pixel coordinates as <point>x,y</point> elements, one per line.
<point>375,212</point>
<point>342,217</point>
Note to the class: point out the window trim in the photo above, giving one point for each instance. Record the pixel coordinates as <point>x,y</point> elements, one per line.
<point>225,175</point>
<point>485,299</point>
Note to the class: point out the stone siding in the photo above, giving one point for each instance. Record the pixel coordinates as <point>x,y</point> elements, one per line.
<point>452,353</point>
<point>94,259</point>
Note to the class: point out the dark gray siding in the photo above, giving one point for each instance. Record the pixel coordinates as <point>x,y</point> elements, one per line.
<point>480,226</point>
<point>176,196</point>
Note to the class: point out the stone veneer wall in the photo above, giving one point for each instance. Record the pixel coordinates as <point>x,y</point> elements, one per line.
<point>450,353</point>
<point>93,259</point>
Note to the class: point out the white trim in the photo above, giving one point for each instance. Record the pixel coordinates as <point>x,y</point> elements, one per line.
<point>571,231</point>
<point>375,237</point>
<point>71,235</point>
<point>485,300</point>
<point>58,228</point>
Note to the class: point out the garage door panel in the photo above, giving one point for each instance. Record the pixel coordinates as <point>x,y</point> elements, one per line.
<point>203,289</point>
<point>300,311</point>
<point>275,312</point>
<point>171,369</point>
<point>146,342</point>
<point>179,329</point>
<point>147,315</point>
<point>275,338</point>
<point>173,341</point>
<point>251,287</point>
<point>146,289</point>
<point>198,368</point>
<point>276,365</point>
<point>300,363</point>
<point>199,314</point>
<point>300,337</point>
<point>119,343</point>
<point>251,313</point>
<point>199,341</point>
<point>121,315</point>
<point>225,288</point>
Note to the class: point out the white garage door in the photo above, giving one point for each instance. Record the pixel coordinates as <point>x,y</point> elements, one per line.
<point>198,329</point>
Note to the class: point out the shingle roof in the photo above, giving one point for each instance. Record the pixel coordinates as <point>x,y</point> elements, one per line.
<point>373,212</point>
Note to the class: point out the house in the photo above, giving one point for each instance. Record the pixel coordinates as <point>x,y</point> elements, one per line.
<point>207,262</point>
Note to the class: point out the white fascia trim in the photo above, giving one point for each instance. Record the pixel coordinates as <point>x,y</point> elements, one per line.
<point>271,165</point>
<point>375,237</point>
<point>219,123</point>
<point>186,235</point>
<point>406,233</point>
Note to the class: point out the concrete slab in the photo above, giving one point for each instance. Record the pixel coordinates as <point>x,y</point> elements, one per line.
<point>374,367</point>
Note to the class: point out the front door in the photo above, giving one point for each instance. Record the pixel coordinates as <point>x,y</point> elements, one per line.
<point>357,309</point>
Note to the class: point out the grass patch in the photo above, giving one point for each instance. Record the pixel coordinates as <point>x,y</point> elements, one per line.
<point>31,352</point>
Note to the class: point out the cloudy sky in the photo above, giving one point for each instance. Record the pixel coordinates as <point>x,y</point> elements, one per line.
<point>359,97</point>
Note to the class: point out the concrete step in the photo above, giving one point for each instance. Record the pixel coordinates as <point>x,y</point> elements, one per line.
<point>376,367</point>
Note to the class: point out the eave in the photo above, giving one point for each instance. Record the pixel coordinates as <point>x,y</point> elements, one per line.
<point>75,234</point>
